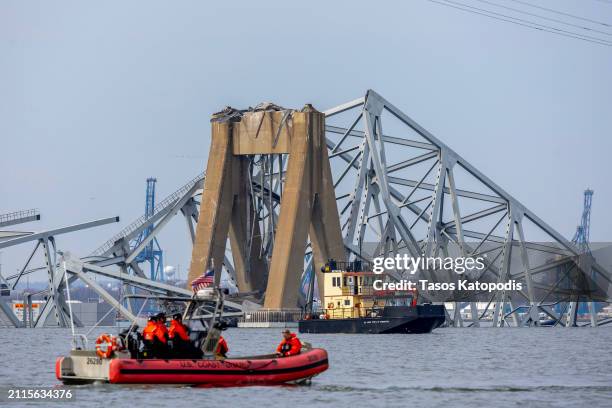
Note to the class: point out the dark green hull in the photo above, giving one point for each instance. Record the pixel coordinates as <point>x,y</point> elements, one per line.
<point>395,319</point>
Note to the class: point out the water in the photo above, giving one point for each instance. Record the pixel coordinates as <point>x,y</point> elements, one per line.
<point>507,367</point>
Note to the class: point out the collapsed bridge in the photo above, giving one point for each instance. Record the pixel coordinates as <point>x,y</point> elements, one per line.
<point>287,189</point>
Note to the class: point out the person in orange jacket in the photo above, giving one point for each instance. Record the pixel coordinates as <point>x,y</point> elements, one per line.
<point>290,345</point>
<point>162,331</point>
<point>178,335</point>
<point>158,339</point>
<point>222,348</point>
<point>154,339</point>
<point>177,329</point>
<point>148,333</point>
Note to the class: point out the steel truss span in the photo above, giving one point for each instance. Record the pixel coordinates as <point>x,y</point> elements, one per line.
<point>404,190</point>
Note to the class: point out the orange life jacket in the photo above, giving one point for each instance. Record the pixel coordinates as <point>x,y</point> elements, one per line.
<point>148,333</point>
<point>178,329</point>
<point>161,332</point>
<point>290,347</point>
<point>222,347</point>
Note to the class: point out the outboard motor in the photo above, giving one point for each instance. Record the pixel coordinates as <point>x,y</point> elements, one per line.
<point>132,340</point>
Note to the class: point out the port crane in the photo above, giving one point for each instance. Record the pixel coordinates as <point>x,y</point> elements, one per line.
<point>582,240</point>
<point>152,252</point>
<point>582,235</point>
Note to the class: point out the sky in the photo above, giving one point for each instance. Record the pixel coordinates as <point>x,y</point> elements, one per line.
<point>97,96</point>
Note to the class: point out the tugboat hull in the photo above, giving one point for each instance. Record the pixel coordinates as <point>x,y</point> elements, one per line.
<point>419,319</point>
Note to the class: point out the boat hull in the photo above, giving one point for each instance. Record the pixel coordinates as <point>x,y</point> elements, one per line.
<point>419,319</point>
<point>265,370</point>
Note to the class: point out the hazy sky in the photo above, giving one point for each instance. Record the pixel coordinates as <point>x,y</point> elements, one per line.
<point>96,97</point>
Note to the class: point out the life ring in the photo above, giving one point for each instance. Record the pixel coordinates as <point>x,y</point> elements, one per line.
<point>105,345</point>
<point>330,305</point>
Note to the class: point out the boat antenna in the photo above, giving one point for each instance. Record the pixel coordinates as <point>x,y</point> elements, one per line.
<point>69,304</point>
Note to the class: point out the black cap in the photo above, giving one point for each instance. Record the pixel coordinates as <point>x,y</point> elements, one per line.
<point>177,316</point>
<point>221,325</point>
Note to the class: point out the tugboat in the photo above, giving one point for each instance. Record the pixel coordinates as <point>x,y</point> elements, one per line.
<point>352,305</point>
<point>117,360</point>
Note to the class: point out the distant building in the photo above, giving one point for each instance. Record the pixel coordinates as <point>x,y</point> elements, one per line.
<point>88,313</point>
<point>17,307</point>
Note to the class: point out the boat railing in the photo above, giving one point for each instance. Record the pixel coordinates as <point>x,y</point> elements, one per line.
<point>346,312</point>
<point>79,341</point>
<point>349,266</point>
<point>363,290</point>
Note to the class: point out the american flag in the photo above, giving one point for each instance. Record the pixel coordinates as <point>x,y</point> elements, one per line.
<point>204,281</point>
